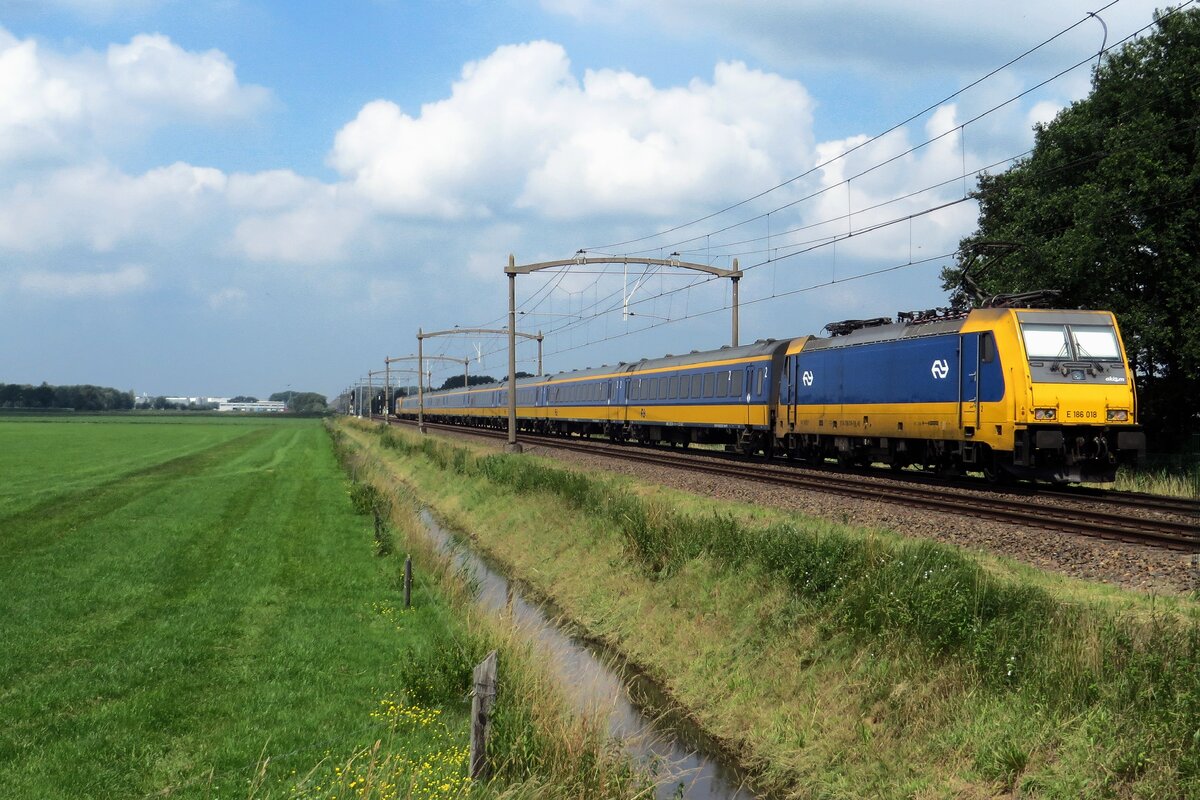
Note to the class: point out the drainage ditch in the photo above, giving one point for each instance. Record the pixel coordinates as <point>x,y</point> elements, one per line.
<point>652,729</point>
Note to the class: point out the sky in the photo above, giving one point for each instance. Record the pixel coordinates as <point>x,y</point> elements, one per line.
<point>223,197</point>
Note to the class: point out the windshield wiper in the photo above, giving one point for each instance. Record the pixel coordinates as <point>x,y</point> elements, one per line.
<point>1084,355</point>
<point>1062,351</point>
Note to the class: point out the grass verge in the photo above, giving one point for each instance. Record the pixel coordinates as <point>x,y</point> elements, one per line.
<point>840,662</point>
<point>537,745</point>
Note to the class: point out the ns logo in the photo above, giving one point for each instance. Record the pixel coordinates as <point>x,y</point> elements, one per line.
<point>807,377</point>
<point>940,368</point>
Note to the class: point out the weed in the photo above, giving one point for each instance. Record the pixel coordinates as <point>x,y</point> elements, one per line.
<point>364,497</point>
<point>1013,640</point>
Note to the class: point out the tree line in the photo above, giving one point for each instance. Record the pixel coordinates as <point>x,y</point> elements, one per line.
<point>302,402</point>
<point>84,397</point>
<point>1106,210</point>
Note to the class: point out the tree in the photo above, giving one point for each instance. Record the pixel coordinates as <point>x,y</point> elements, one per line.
<point>456,381</point>
<point>308,403</point>
<point>242,398</point>
<point>1106,209</point>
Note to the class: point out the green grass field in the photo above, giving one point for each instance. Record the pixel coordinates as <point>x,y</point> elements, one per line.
<point>182,601</point>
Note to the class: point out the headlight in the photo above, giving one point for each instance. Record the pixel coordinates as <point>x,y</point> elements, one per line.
<point>1045,413</point>
<point>1118,415</point>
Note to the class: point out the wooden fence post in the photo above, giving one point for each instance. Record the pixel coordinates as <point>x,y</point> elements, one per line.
<point>482,697</point>
<point>407,581</point>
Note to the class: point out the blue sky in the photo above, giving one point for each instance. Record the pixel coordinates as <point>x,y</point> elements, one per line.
<point>237,196</point>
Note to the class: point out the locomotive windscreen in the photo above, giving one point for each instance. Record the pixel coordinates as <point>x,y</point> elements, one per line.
<point>1075,346</point>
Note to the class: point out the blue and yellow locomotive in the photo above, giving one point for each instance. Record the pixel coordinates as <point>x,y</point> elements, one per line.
<point>1043,394</point>
<point>1031,393</point>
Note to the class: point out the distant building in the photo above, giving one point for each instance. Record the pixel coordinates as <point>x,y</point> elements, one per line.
<point>192,401</point>
<point>262,406</point>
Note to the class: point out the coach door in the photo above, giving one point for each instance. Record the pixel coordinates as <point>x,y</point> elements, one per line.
<point>969,371</point>
<point>746,388</point>
<point>787,395</point>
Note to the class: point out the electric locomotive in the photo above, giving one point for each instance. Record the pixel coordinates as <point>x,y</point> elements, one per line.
<point>1031,393</point>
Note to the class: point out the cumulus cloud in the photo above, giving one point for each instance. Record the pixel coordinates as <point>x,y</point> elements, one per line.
<point>37,110</point>
<point>1042,113</point>
<point>876,198</point>
<point>519,130</point>
<point>99,207</point>
<point>155,73</point>
<point>127,279</point>
<point>314,233</point>
<point>58,106</point>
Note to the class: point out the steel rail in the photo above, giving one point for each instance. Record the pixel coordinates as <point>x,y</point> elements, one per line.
<point>1108,525</point>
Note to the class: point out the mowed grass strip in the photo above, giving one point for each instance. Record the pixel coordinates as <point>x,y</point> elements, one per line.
<point>43,458</point>
<point>217,604</point>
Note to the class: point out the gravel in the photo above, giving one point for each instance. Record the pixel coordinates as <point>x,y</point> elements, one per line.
<point>1130,566</point>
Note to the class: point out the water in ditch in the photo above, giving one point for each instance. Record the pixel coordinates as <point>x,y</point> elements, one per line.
<point>687,764</point>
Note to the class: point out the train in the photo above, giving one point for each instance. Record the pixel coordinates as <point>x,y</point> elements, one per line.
<point>1013,393</point>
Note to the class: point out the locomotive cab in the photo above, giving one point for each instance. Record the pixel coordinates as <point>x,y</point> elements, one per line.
<point>1078,418</point>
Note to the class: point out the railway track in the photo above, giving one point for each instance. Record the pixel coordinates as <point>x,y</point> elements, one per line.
<point>1117,524</point>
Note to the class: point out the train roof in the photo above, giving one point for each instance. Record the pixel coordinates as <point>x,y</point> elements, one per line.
<point>887,333</point>
<point>589,372</point>
<point>763,348</point>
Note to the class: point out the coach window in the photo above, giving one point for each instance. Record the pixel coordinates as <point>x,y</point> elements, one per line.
<point>735,383</point>
<point>697,382</point>
<point>710,384</point>
<point>663,385</point>
<point>723,383</point>
<point>673,393</point>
